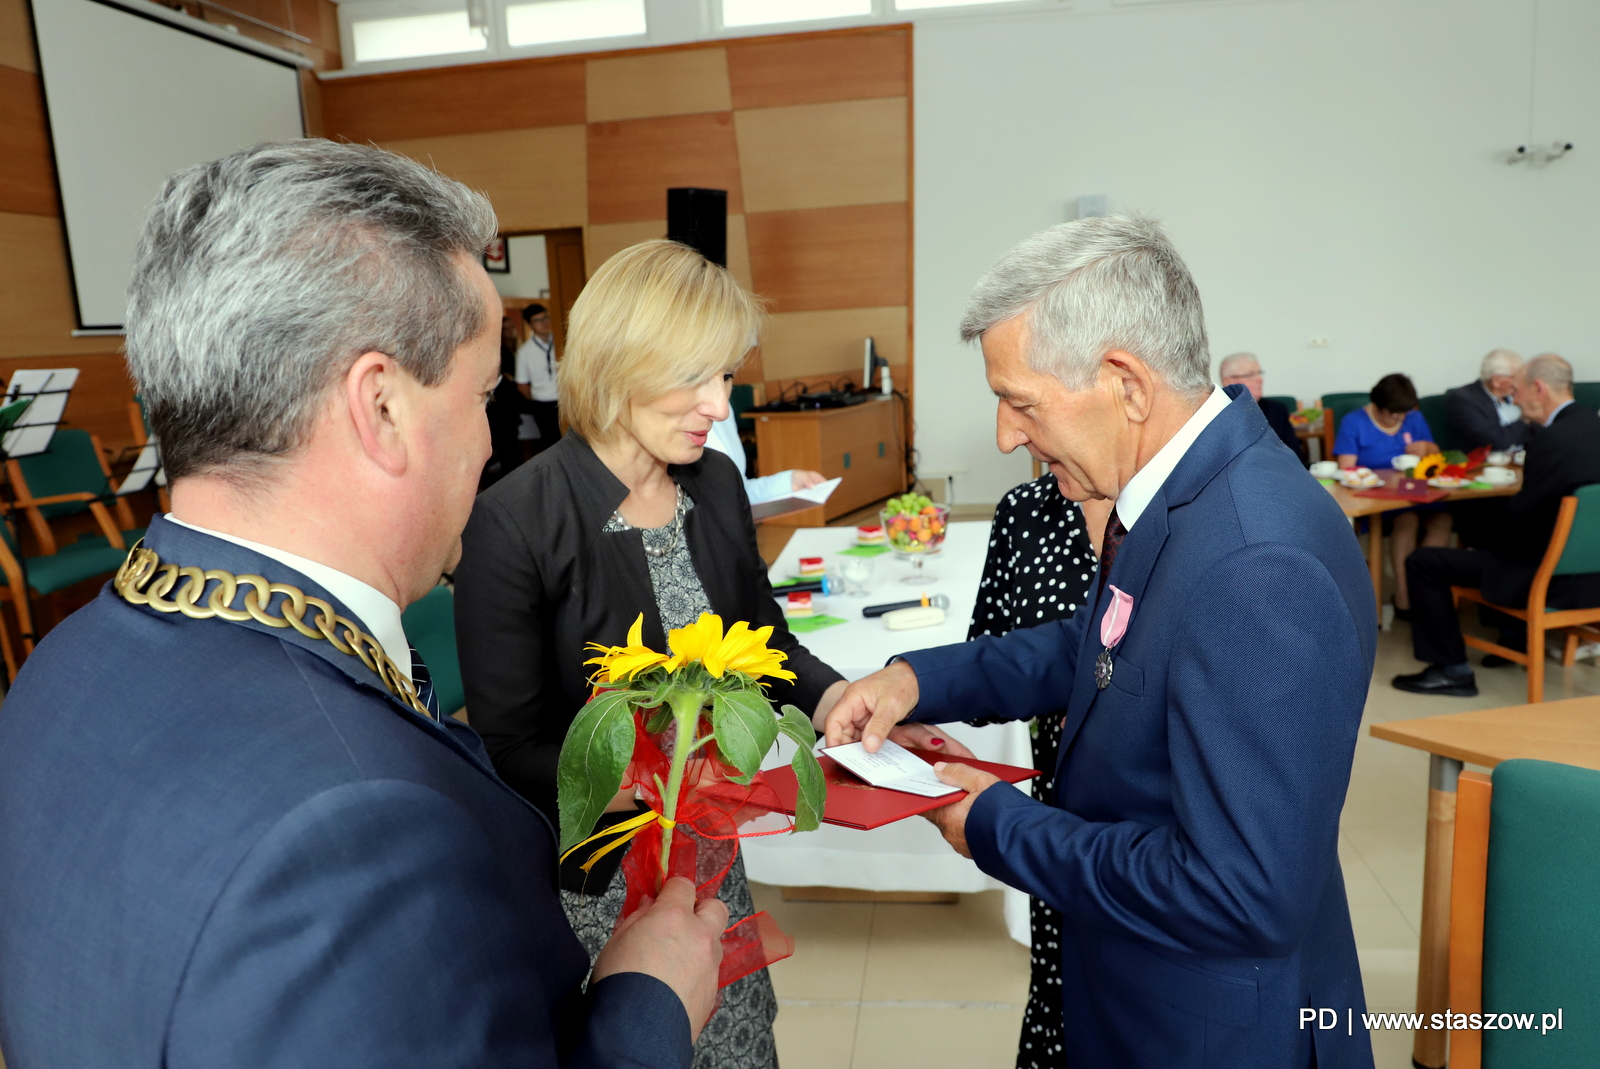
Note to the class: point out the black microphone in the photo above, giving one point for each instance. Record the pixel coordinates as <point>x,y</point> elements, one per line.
<point>938,601</point>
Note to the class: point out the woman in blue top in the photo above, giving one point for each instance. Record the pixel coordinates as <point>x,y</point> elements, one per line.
<point>1371,437</point>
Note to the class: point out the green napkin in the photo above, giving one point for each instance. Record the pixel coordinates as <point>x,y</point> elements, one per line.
<point>812,623</point>
<point>864,551</point>
<point>1328,482</point>
<point>1478,486</point>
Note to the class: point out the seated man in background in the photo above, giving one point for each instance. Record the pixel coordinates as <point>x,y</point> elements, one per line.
<point>1245,370</point>
<point>1483,412</point>
<point>237,831</point>
<point>1563,456</point>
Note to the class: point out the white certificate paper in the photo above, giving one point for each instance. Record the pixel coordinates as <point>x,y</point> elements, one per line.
<point>893,767</point>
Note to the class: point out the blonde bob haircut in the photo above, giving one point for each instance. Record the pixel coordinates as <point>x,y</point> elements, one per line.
<point>655,318</point>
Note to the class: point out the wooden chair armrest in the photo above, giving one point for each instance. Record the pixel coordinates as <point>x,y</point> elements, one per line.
<point>108,527</point>
<point>25,502</point>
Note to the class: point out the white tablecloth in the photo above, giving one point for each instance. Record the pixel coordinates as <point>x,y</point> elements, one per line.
<point>908,855</point>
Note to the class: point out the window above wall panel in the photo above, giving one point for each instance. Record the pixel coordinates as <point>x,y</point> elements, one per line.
<point>554,21</point>
<point>771,12</point>
<point>440,33</point>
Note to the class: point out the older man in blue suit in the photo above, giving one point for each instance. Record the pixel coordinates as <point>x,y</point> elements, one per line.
<point>1213,687</point>
<point>234,830</point>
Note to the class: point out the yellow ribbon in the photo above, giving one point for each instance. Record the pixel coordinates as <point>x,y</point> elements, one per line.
<point>625,830</point>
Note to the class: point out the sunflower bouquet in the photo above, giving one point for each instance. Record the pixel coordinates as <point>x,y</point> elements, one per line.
<point>689,730</point>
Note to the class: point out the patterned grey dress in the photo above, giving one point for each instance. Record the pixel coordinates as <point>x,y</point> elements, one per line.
<point>739,1034</point>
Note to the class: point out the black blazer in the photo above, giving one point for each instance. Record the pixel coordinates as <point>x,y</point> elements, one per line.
<point>538,580</point>
<point>1277,414</point>
<point>1474,421</point>
<point>1561,458</point>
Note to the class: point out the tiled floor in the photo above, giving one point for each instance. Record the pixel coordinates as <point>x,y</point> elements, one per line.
<point>881,986</point>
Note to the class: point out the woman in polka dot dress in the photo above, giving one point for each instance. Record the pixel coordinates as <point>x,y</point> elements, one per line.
<point>1041,567</point>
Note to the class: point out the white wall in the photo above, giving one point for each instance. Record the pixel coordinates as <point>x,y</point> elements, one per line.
<point>1328,168</point>
<point>530,270</point>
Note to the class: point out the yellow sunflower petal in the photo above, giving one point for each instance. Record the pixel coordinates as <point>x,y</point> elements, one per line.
<point>636,632</point>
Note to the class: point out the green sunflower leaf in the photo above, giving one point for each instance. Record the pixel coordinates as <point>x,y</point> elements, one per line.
<point>594,756</point>
<point>812,796</point>
<point>744,726</point>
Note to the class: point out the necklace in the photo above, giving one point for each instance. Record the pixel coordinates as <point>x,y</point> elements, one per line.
<point>676,527</point>
<point>144,579</point>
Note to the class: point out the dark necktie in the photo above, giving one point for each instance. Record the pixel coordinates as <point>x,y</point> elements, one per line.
<point>1109,545</point>
<point>424,684</point>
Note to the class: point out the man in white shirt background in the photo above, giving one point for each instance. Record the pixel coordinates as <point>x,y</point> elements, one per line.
<point>724,438</point>
<point>536,378</point>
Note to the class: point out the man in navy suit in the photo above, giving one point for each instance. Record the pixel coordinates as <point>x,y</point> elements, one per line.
<point>1213,686</point>
<point>234,830</point>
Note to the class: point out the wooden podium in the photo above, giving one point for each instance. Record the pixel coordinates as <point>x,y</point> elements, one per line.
<point>864,444</point>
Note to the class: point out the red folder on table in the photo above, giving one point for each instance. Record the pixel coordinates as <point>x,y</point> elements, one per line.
<point>853,803</point>
<point>1416,490</point>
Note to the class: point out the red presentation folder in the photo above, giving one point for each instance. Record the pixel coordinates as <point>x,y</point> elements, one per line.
<point>855,804</point>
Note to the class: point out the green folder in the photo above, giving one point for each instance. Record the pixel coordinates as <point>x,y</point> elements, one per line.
<point>13,412</point>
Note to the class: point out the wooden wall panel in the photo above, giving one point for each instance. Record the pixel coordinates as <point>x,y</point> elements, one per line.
<point>823,155</point>
<point>16,36</point>
<point>853,257</point>
<point>603,241</point>
<point>632,164</point>
<point>813,69</point>
<point>455,100</point>
<point>535,178</point>
<point>35,296</point>
<point>27,180</point>
<point>739,251</point>
<point>830,342</point>
<point>683,82</point>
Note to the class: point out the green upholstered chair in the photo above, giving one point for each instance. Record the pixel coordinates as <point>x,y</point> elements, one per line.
<point>1434,411</point>
<point>430,624</point>
<point>1574,550</point>
<point>1541,932</point>
<point>45,575</point>
<point>69,478</point>
<point>1335,407</point>
<point>1290,403</point>
<point>1587,394</point>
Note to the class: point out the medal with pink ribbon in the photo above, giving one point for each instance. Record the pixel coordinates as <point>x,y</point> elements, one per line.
<point>1113,625</point>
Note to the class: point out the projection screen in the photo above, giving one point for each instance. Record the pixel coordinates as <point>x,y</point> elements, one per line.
<point>133,97</point>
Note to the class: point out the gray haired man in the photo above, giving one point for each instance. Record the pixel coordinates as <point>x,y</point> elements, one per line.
<point>236,830</point>
<point>1484,412</point>
<point>1191,844</point>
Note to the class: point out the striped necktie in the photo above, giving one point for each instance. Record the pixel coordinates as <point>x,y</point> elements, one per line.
<point>424,684</point>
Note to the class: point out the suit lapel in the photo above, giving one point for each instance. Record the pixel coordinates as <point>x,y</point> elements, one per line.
<point>1131,574</point>
<point>180,545</point>
<point>1233,430</point>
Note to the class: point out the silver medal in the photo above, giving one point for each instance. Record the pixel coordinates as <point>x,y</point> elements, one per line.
<point>1102,669</point>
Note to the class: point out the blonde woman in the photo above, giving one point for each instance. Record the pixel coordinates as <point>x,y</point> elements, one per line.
<point>627,513</point>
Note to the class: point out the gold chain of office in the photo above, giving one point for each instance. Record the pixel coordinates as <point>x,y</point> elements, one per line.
<point>144,580</point>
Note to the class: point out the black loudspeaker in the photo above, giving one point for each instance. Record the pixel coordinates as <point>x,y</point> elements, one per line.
<point>699,219</point>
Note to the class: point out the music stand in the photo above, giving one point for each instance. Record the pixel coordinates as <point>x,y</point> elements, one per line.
<point>42,394</point>
<point>146,469</point>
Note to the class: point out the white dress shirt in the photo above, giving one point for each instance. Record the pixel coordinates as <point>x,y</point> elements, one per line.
<point>724,438</point>
<point>1504,407</point>
<point>374,610</point>
<point>1147,480</point>
<point>536,367</point>
<point>1551,418</point>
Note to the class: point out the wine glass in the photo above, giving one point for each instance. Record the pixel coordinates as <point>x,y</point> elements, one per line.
<point>914,537</point>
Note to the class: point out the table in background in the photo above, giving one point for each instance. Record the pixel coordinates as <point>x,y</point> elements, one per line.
<point>1566,732</point>
<point>909,855</point>
<point>1354,507</point>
